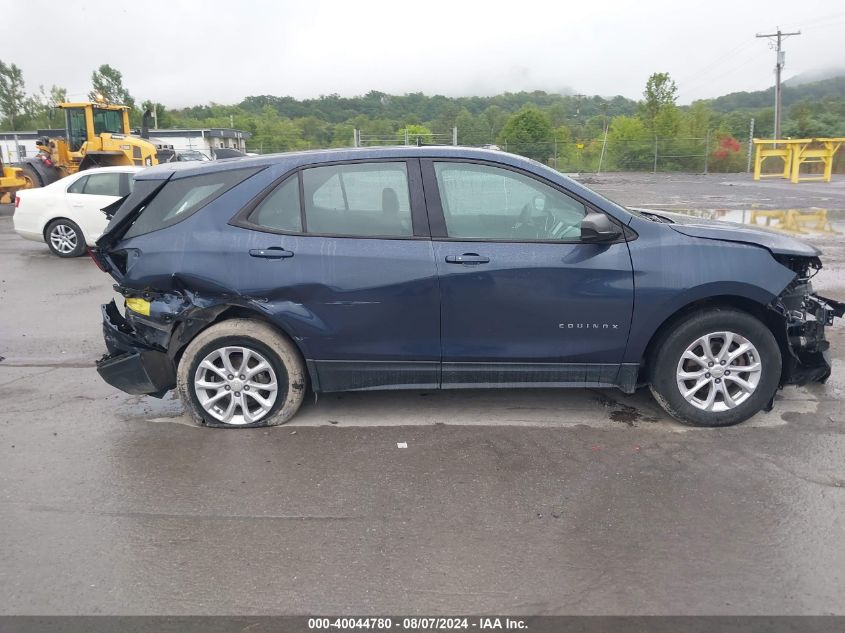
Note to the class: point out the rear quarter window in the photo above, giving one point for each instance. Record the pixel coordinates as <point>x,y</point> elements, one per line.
<point>180,199</point>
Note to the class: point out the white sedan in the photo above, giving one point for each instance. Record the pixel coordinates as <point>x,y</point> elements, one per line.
<point>67,213</point>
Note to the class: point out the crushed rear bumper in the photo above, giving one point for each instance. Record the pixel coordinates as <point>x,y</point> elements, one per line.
<point>130,365</point>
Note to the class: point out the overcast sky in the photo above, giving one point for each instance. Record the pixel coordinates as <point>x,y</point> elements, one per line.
<point>183,52</point>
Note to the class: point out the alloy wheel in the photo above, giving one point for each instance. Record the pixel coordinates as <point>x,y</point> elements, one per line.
<point>236,385</point>
<point>719,371</point>
<point>63,239</point>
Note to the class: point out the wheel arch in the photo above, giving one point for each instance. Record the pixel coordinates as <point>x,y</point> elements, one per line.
<point>61,217</point>
<point>771,319</point>
<point>46,175</point>
<point>188,329</point>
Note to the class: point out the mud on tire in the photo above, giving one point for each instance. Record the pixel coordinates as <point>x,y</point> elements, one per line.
<point>261,341</point>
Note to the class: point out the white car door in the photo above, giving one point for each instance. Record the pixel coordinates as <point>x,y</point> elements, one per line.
<point>88,195</point>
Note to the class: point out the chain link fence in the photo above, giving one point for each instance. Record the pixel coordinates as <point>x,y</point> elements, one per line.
<point>695,155</point>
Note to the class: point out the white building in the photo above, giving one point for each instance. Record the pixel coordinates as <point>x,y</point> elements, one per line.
<point>205,140</point>
<point>17,145</point>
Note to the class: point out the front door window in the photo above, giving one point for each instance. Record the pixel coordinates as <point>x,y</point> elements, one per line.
<point>485,202</point>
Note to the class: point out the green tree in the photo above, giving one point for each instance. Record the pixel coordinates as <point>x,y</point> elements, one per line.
<point>415,134</point>
<point>660,94</point>
<point>629,145</point>
<point>315,131</point>
<point>529,132</point>
<point>495,118</point>
<point>108,83</point>
<point>274,133</point>
<point>13,100</point>
<point>472,130</point>
<point>697,120</point>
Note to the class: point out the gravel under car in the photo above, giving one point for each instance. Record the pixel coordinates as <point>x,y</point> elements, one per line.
<point>247,281</point>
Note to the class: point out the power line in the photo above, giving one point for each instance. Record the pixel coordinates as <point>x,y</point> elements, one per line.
<point>780,57</point>
<point>713,65</point>
<point>741,63</point>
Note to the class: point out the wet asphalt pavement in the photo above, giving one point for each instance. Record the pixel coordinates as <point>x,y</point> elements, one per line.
<point>524,502</point>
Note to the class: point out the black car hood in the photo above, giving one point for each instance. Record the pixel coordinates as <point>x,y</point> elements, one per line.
<point>776,242</point>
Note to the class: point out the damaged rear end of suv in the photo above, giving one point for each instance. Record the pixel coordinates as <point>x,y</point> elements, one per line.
<point>165,311</point>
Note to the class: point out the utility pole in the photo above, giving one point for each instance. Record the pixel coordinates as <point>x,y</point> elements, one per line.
<point>778,37</point>
<point>604,142</point>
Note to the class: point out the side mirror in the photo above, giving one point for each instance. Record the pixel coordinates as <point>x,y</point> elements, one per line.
<point>597,227</point>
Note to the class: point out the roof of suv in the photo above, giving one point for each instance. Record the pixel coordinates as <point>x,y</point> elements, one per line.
<point>294,159</point>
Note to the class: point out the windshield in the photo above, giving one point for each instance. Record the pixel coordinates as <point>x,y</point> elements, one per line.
<point>193,155</point>
<point>109,121</point>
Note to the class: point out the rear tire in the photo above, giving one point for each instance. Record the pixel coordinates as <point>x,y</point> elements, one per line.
<point>65,238</point>
<point>716,368</point>
<point>241,373</point>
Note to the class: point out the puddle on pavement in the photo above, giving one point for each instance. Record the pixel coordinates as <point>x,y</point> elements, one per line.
<point>805,222</point>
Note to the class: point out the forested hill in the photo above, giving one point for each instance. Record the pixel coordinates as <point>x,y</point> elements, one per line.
<point>814,91</point>
<point>417,107</point>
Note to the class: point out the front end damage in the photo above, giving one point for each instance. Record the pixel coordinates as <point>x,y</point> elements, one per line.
<point>142,346</point>
<point>802,316</point>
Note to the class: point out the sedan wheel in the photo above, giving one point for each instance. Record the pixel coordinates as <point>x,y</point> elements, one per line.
<point>65,238</point>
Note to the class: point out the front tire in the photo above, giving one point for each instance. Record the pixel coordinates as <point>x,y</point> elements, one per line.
<point>65,238</point>
<point>31,177</point>
<point>716,368</point>
<point>241,373</point>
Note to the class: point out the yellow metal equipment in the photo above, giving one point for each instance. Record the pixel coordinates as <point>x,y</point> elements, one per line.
<point>794,153</point>
<point>820,150</point>
<point>97,135</point>
<point>769,149</point>
<point>11,179</point>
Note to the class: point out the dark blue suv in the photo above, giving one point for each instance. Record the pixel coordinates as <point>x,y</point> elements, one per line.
<point>249,281</point>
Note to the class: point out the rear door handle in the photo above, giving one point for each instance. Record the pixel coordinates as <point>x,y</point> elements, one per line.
<point>274,252</point>
<point>467,258</point>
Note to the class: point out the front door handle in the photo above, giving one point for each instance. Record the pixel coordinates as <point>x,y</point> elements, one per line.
<point>467,258</point>
<point>274,252</point>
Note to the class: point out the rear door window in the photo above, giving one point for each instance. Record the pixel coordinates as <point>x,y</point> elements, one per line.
<point>280,210</point>
<point>103,184</point>
<point>78,185</point>
<point>180,199</point>
<point>358,199</point>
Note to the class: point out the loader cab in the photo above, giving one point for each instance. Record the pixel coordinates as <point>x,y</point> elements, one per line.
<point>85,121</point>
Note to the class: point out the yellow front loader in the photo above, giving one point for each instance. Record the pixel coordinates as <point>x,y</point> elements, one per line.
<point>96,135</point>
